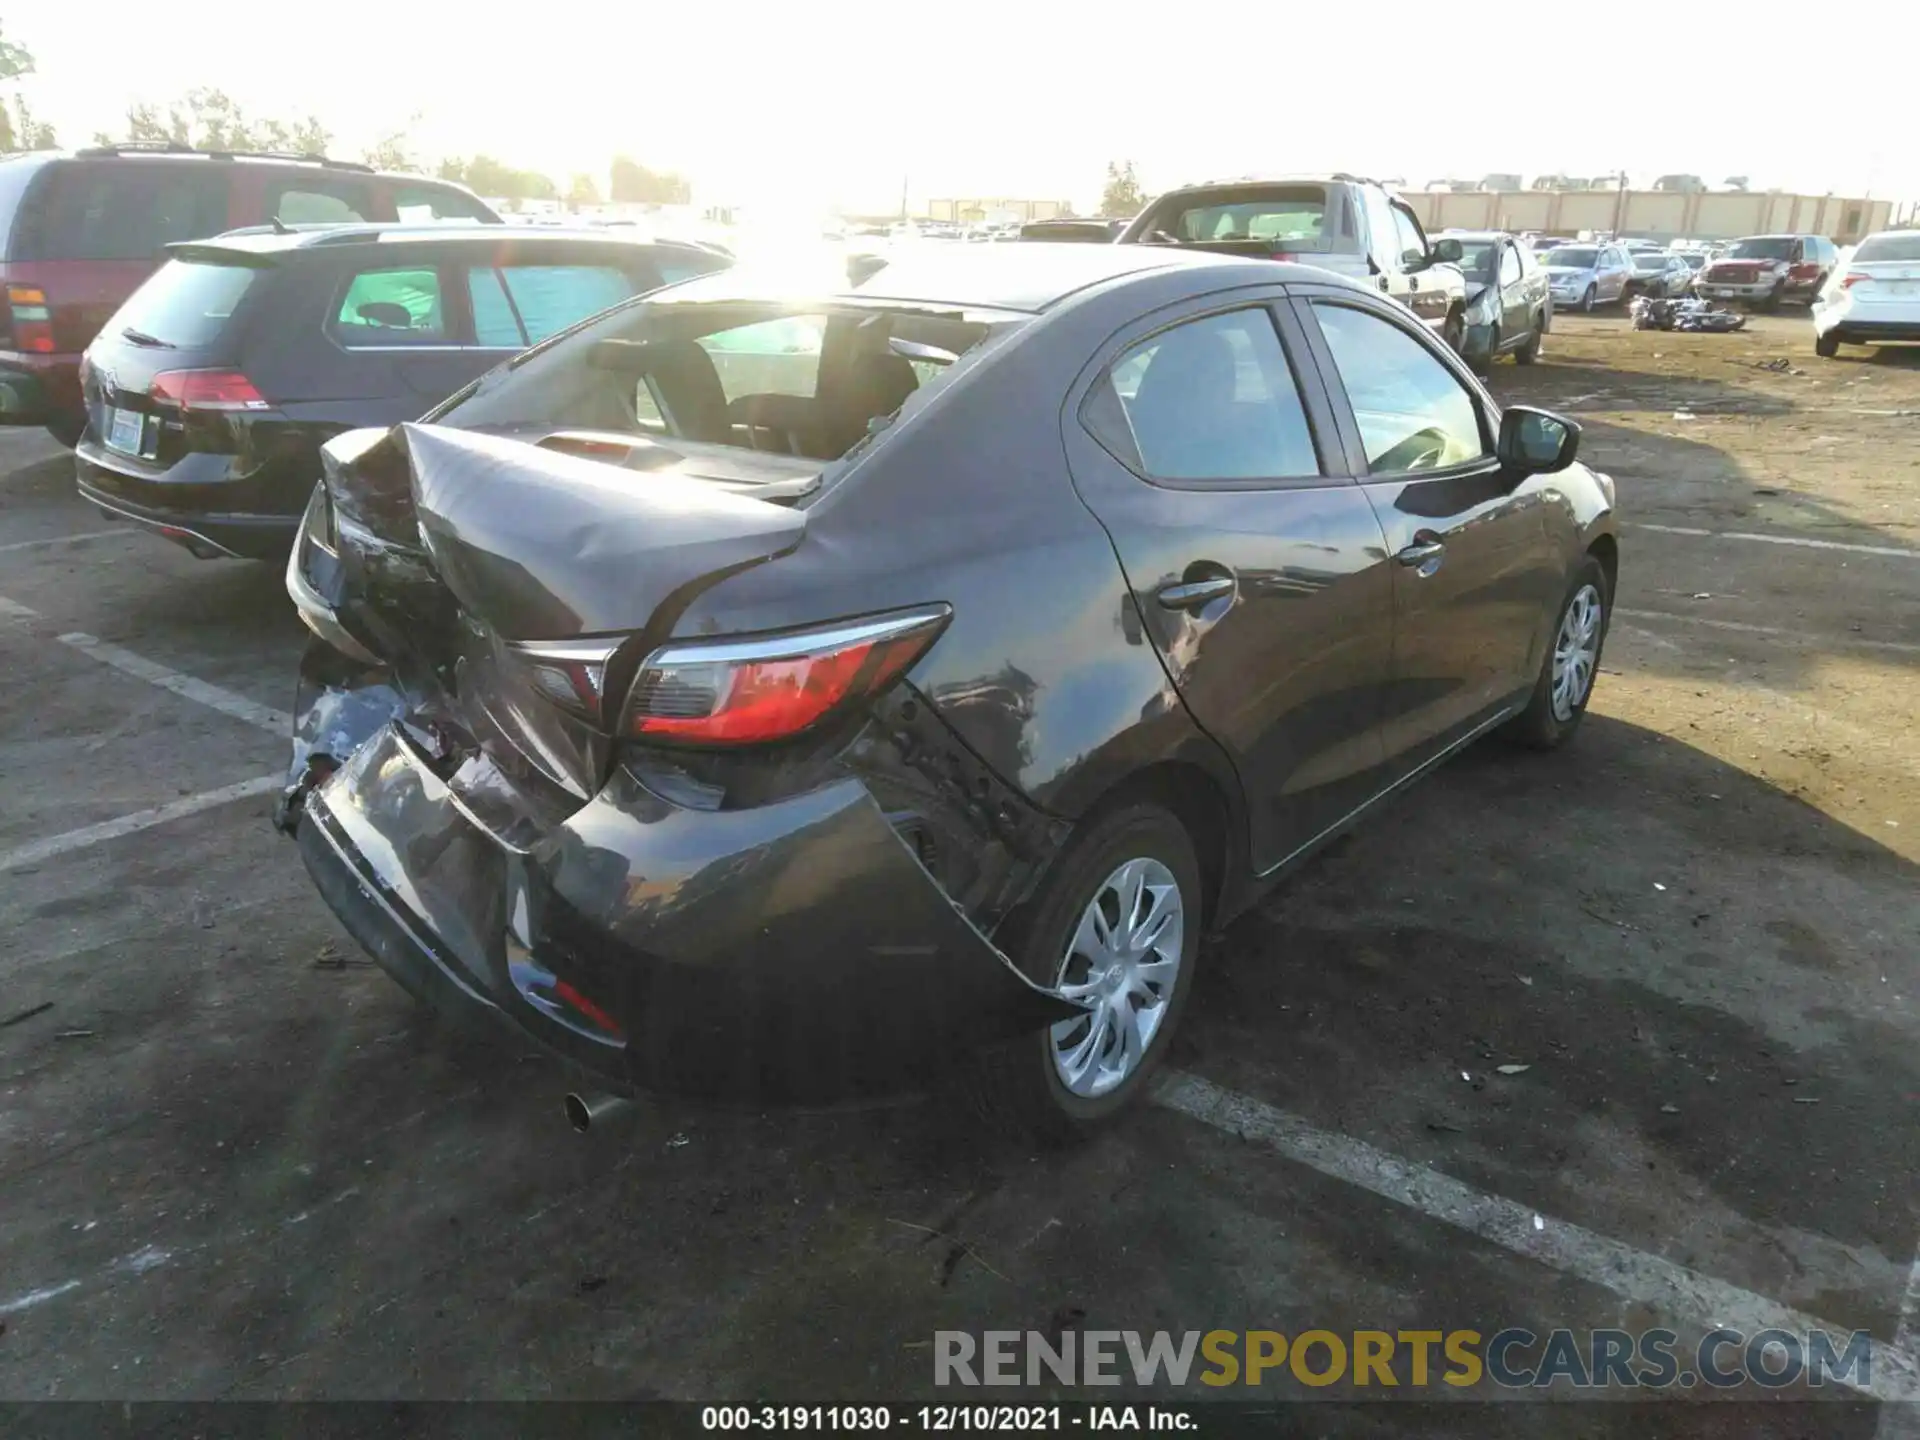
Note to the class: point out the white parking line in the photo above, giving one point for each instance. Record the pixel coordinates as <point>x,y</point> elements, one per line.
<point>1895,551</point>
<point>1666,1288</point>
<point>36,851</point>
<point>212,696</point>
<point>14,610</point>
<point>1741,627</point>
<point>1904,1423</point>
<point>53,540</point>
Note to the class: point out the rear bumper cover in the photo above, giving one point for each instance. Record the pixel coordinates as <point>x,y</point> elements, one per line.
<point>791,950</point>
<point>158,505</point>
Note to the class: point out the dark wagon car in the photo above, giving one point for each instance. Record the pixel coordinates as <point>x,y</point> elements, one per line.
<point>210,392</point>
<point>785,692</point>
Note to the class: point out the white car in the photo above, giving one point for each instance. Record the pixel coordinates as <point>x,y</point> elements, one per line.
<point>1874,299</point>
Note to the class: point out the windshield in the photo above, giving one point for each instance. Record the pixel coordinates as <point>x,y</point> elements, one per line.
<point>1572,257</point>
<point>1297,218</point>
<point>787,376</point>
<point>1476,258</point>
<point>1768,247</point>
<point>1649,259</point>
<point>1889,247</point>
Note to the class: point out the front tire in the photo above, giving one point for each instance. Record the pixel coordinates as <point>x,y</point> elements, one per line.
<point>1586,300</point>
<point>1571,664</point>
<point>1454,332</point>
<point>1116,929</point>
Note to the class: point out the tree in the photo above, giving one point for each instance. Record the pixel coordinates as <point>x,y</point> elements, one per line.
<point>634,184</point>
<point>1123,198</point>
<point>15,61</point>
<point>488,177</point>
<point>27,133</point>
<point>392,152</point>
<point>210,120</point>
<point>583,191</point>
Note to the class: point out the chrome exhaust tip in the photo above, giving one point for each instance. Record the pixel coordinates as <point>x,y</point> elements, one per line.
<point>586,1109</point>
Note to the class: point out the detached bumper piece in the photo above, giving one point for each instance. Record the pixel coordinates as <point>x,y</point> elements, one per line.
<point>793,950</point>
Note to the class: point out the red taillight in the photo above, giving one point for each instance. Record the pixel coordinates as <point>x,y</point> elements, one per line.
<point>32,320</point>
<point>206,390</point>
<point>749,692</point>
<point>1853,278</point>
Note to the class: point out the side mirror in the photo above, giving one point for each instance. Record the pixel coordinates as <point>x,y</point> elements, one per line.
<point>1536,442</point>
<point>1447,251</point>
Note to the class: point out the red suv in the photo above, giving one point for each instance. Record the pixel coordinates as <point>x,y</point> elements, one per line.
<point>1766,269</point>
<point>79,232</point>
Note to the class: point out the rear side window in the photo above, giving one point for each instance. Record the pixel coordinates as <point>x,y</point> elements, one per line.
<point>186,305</point>
<point>391,307</point>
<point>418,204</point>
<point>1212,399</point>
<point>124,211</point>
<point>320,201</point>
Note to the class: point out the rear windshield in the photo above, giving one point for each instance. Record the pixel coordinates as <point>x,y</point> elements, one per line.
<point>185,306</point>
<point>122,210</point>
<point>1304,217</point>
<point>1889,247</point>
<point>795,379</point>
<point>1766,247</point>
<point>1572,257</point>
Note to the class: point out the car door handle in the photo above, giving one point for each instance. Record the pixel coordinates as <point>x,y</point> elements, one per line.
<point>1194,594</point>
<point>1420,553</point>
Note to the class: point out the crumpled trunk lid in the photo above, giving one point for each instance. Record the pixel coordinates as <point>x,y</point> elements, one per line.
<point>490,542</point>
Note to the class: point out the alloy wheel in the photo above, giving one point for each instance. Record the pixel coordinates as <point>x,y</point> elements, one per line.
<point>1576,652</point>
<point>1121,965</point>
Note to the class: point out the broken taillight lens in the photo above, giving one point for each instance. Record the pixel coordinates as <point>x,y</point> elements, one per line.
<point>32,320</point>
<point>765,688</point>
<point>206,390</point>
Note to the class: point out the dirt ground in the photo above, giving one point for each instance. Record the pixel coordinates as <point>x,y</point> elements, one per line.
<point>235,1163</point>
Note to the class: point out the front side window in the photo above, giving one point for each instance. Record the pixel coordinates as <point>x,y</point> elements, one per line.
<point>1413,244</point>
<point>1509,265</point>
<point>418,204</point>
<point>1413,413</point>
<point>1213,399</point>
<point>391,307</point>
<point>546,299</point>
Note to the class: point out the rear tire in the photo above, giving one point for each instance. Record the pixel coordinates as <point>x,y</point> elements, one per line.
<point>1031,1083</point>
<point>1554,712</point>
<point>1827,346</point>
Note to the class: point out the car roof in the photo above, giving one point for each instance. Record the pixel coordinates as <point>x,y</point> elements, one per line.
<point>1028,278</point>
<point>267,240</point>
<point>173,154</point>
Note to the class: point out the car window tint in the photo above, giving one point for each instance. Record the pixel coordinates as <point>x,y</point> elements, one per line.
<point>392,307</point>
<point>128,211</point>
<point>768,357</point>
<point>417,204</point>
<point>1412,411</point>
<point>187,304</point>
<point>315,203</point>
<point>495,326</point>
<point>1509,264</point>
<point>1214,399</point>
<point>549,298</point>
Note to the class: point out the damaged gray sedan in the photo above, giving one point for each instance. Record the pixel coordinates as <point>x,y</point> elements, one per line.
<point>758,692</point>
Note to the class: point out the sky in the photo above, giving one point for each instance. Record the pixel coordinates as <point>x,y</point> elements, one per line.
<point>842,102</point>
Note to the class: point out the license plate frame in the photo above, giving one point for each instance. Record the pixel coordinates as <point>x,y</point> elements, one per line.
<point>126,431</point>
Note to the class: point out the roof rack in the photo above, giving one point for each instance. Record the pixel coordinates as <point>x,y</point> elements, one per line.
<point>174,147</point>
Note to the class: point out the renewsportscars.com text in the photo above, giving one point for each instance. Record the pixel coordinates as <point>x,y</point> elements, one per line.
<point>1513,1358</point>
